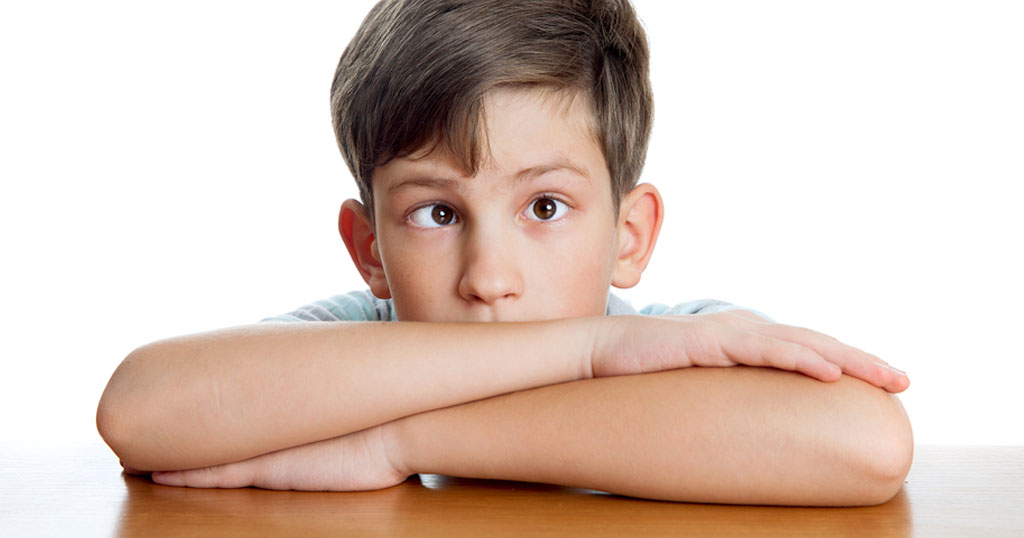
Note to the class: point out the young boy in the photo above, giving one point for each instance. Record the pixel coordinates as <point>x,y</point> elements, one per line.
<point>497,147</point>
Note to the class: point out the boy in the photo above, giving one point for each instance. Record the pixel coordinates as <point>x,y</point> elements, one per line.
<point>497,147</point>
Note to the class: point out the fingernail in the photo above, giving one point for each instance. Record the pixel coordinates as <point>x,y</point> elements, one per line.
<point>897,370</point>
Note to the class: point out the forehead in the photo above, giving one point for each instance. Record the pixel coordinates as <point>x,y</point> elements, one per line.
<point>522,134</point>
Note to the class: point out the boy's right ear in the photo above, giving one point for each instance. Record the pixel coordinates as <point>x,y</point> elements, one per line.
<point>358,234</point>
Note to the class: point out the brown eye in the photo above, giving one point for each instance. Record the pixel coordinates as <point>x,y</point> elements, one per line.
<point>547,209</point>
<point>433,216</point>
<point>442,215</point>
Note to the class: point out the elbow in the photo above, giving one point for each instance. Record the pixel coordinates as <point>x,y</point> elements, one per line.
<point>113,426</point>
<point>114,412</point>
<point>121,416</point>
<point>885,453</point>
<point>895,453</point>
<point>108,425</point>
<point>861,447</point>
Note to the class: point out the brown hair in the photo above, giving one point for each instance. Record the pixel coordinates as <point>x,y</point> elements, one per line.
<point>415,75</point>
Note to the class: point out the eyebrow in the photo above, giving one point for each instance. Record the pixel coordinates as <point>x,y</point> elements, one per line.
<point>553,166</point>
<point>526,174</point>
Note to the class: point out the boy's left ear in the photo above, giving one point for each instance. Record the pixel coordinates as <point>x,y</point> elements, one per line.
<point>640,214</point>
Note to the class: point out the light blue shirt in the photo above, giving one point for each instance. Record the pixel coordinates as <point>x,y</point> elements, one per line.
<point>363,306</point>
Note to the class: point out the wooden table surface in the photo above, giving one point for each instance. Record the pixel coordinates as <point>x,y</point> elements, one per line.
<point>79,491</point>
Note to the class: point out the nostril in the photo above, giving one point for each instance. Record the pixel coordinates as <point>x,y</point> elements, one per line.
<point>487,283</point>
<point>485,298</point>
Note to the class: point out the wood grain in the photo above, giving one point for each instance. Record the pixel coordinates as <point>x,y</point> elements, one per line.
<point>79,491</point>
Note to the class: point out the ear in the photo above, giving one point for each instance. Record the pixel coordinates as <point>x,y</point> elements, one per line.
<point>358,234</point>
<point>640,214</point>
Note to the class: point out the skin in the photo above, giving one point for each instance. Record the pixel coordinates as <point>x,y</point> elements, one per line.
<point>497,260</point>
<point>505,246</point>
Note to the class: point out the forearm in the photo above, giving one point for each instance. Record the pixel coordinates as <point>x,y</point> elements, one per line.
<point>732,435</point>
<point>228,395</point>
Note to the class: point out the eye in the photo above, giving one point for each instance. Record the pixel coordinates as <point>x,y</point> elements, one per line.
<point>546,209</point>
<point>433,216</point>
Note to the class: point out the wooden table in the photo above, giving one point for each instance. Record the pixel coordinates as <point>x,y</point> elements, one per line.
<point>79,491</point>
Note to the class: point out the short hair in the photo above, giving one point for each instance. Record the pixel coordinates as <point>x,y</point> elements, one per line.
<point>415,75</point>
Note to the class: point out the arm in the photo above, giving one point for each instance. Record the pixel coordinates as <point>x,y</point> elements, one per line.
<point>738,435</point>
<point>234,394</point>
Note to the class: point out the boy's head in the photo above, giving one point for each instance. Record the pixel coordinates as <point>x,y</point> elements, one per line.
<point>457,116</point>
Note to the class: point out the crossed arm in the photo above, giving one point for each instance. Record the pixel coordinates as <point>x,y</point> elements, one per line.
<point>733,435</point>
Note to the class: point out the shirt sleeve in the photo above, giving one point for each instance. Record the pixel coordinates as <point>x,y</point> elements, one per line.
<point>352,306</point>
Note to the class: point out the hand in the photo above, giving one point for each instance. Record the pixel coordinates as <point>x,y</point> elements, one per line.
<point>354,462</point>
<point>638,344</point>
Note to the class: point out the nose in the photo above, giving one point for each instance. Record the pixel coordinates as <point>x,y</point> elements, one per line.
<point>490,271</point>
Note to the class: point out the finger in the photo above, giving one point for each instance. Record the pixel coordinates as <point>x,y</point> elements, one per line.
<point>169,478</point>
<point>898,385</point>
<point>878,360</point>
<point>852,361</point>
<point>753,349</point>
<point>231,475</point>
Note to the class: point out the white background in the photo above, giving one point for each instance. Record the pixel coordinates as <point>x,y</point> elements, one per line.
<point>847,166</point>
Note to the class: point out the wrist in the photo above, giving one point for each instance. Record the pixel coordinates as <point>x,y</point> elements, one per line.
<point>417,443</point>
<point>394,440</point>
<point>585,336</point>
<point>606,348</point>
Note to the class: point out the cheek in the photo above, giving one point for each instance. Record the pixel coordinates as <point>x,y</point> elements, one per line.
<point>408,268</point>
<point>417,273</point>
<point>577,276</point>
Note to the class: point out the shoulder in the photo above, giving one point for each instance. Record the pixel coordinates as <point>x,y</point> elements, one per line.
<point>619,307</point>
<point>352,306</point>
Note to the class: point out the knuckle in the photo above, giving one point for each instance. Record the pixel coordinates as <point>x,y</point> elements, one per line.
<point>206,476</point>
<point>800,354</point>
